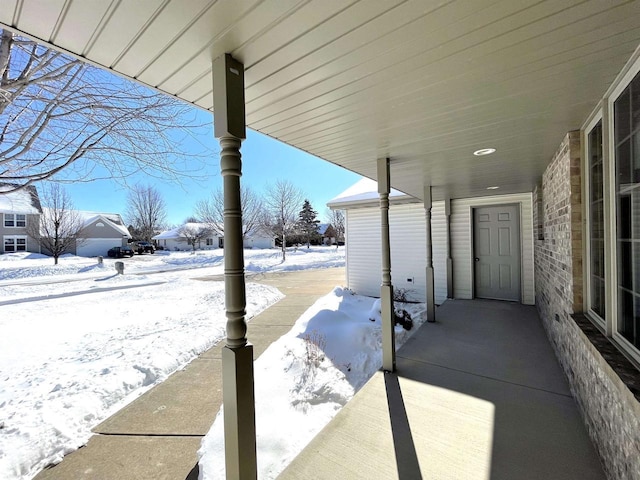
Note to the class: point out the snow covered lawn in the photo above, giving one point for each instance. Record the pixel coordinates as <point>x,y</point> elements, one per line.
<point>79,342</point>
<point>303,379</point>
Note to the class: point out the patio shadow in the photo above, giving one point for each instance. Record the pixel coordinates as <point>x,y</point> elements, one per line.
<point>406,456</point>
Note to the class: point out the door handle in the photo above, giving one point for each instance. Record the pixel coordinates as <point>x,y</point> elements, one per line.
<point>477,259</point>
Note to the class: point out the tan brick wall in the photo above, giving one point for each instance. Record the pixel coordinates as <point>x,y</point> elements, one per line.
<point>610,411</point>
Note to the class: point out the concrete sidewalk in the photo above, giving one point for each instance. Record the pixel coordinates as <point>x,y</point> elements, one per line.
<point>157,436</point>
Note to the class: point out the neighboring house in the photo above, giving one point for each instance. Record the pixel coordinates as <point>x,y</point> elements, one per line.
<point>100,232</point>
<point>174,240</point>
<point>17,210</point>
<point>259,239</point>
<point>328,233</point>
<point>408,232</point>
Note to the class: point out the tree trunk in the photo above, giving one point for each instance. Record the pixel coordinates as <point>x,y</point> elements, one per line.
<point>284,247</point>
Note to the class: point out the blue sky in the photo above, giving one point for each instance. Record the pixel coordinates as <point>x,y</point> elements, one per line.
<point>265,160</point>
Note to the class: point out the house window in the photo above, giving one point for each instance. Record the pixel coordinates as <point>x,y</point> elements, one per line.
<point>15,244</point>
<point>15,220</point>
<point>596,221</point>
<point>627,192</point>
<point>209,242</point>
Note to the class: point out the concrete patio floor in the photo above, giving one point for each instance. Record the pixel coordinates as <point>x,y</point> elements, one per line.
<point>477,395</point>
<point>157,436</point>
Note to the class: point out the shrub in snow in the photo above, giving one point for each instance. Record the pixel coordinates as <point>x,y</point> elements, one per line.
<point>403,295</point>
<point>401,316</point>
<point>315,343</point>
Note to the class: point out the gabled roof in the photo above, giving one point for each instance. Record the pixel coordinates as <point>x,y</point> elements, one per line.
<point>174,233</point>
<point>109,219</point>
<point>365,193</point>
<point>25,200</point>
<point>87,216</point>
<point>323,228</point>
<point>113,220</point>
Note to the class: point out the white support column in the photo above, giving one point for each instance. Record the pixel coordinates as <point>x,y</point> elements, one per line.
<point>386,289</point>
<point>431,297</point>
<point>447,214</point>
<point>237,356</point>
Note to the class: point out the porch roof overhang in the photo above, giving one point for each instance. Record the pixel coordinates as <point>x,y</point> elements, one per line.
<point>423,83</point>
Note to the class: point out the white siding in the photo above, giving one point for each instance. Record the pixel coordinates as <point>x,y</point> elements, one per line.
<point>462,243</point>
<point>363,251</point>
<point>407,225</point>
<point>408,230</point>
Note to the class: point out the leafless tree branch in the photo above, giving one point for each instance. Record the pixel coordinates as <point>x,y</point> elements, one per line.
<point>146,211</point>
<point>61,119</point>
<point>211,211</point>
<point>60,228</point>
<point>282,203</point>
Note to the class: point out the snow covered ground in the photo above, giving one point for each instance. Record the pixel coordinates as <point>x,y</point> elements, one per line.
<point>303,379</point>
<point>79,342</point>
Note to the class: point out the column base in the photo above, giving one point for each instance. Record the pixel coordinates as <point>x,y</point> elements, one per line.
<point>388,329</point>
<point>239,412</point>
<point>431,296</point>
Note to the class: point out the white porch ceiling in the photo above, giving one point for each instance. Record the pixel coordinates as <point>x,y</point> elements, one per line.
<point>422,82</point>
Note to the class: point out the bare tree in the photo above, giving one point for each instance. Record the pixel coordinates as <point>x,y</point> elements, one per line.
<point>60,227</point>
<point>211,211</point>
<point>282,203</point>
<point>58,113</point>
<point>195,233</point>
<point>337,221</point>
<point>146,211</point>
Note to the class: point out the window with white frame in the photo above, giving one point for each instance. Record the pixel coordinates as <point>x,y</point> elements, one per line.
<point>626,141</point>
<point>595,163</point>
<point>612,210</point>
<point>15,220</point>
<point>15,243</point>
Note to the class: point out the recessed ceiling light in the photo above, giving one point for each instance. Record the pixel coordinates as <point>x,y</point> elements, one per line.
<point>484,151</point>
<point>492,188</point>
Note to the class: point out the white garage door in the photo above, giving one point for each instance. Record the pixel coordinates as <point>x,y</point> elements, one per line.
<point>93,247</point>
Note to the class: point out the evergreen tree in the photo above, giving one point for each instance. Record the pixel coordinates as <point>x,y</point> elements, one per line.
<point>308,222</point>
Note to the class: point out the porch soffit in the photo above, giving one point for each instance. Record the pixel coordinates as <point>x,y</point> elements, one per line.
<point>422,83</point>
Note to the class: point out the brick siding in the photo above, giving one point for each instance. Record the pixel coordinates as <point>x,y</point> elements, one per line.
<point>610,410</point>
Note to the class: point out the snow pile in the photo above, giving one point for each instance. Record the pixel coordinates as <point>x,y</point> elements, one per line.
<point>297,258</point>
<point>79,342</point>
<point>31,265</point>
<point>303,379</point>
<point>89,360</point>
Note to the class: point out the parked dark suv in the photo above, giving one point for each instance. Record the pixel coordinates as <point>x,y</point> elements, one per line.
<point>145,247</point>
<point>119,252</point>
